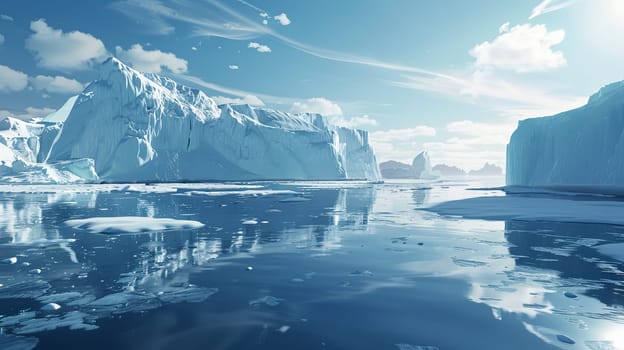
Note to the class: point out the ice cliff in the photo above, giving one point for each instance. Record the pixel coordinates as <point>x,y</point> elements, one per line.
<point>143,127</point>
<point>581,147</point>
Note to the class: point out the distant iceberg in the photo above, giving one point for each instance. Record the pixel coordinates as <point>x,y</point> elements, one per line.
<point>582,147</point>
<point>139,127</point>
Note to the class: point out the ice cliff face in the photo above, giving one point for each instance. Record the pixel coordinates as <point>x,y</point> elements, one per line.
<point>421,166</point>
<point>581,147</point>
<point>143,127</point>
<point>22,143</point>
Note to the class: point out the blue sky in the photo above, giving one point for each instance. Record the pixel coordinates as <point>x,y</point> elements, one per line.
<point>452,77</point>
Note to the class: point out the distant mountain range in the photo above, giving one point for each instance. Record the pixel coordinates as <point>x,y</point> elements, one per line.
<point>397,170</point>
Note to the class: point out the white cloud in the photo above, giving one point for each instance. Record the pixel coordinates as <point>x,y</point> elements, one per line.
<point>264,14</point>
<point>55,49</point>
<point>547,6</point>
<point>233,67</point>
<point>472,144</point>
<point>354,122</point>
<point>265,22</point>
<point>318,105</point>
<point>12,80</point>
<point>248,99</point>
<point>6,18</point>
<point>400,144</point>
<point>282,19</point>
<point>56,84</point>
<point>28,113</point>
<point>193,48</point>
<point>504,27</point>
<point>523,48</point>
<point>34,112</point>
<point>151,61</point>
<point>259,47</point>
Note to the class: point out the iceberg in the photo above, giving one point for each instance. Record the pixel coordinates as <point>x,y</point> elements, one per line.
<point>128,126</point>
<point>419,169</point>
<point>143,127</point>
<point>21,146</point>
<point>583,147</point>
<point>421,166</point>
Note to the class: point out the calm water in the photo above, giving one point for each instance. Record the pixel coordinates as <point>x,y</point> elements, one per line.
<point>344,266</point>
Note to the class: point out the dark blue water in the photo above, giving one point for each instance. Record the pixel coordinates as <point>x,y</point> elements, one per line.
<point>349,266</point>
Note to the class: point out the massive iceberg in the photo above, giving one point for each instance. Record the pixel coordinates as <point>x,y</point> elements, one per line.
<point>581,147</point>
<point>140,127</point>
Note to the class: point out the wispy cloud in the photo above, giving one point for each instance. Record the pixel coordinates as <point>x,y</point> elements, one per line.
<point>547,6</point>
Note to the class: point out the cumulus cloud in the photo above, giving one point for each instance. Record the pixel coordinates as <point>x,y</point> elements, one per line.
<point>318,105</point>
<point>504,27</point>
<point>523,48</point>
<point>55,49</point>
<point>259,47</point>
<point>57,84</point>
<point>282,19</point>
<point>248,99</point>
<point>548,6</point>
<point>472,143</point>
<point>400,144</point>
<point>6,18</point>
<point>151,61</point>
<point>354,122</point>
<point>12,80</point>
<point>233,67</point>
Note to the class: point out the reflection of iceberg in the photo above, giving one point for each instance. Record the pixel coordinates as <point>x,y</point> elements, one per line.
<point>158,266</point>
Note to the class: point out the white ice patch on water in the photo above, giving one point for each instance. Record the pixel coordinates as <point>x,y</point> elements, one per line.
<point>253,193</point>
<point>534,209</point>
<point>129,224</point>
<point>614,250</point>
<point>266,300</point>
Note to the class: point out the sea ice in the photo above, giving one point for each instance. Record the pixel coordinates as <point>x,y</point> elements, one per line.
<point>526,208</point>
<point>129,224</point>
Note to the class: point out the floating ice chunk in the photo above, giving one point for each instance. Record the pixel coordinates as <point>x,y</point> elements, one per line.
<point>10,321</point>
<point>50,307</point>
<point>10,261</point>
<point>267,300</point>
<point>13,342</point>
<point>613,250</point>
<point>283,329</point>
<point>128,224</point>
<point>35,271</point>
<point>253,193</point>
<point>24,289</point>
<point>59,297</point>
<point>74,320</point>
<point>123,302</point>
<point>249,268</point>
<point>250,222</point>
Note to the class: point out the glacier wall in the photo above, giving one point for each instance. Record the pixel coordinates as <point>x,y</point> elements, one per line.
<point>581,147</point>
<point>143,127</point>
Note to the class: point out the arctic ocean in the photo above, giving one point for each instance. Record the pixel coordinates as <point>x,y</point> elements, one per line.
<point>305,265</point>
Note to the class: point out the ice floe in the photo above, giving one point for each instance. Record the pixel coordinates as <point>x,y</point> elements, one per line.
<point>613,250</point>
<point>129,224</point>
<point>534,209</point>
